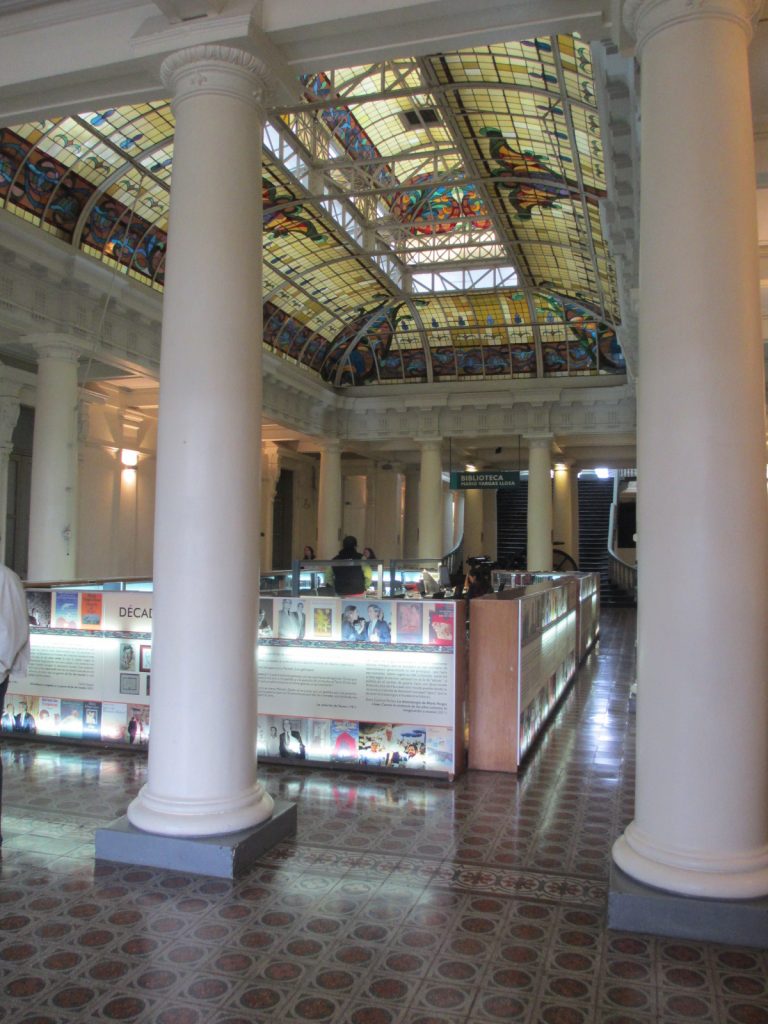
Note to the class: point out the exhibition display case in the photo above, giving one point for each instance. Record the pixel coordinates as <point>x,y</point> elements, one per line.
<point>523,654</point>
<point>364,683</point>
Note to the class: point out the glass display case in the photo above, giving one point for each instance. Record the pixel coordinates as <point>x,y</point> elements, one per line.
<point>355,682</point>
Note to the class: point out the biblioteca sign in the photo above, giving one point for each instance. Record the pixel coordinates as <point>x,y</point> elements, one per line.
<point>470,481</point>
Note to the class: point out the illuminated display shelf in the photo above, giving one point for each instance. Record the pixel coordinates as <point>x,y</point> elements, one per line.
<point>527,642</point>
<point>354,682</point>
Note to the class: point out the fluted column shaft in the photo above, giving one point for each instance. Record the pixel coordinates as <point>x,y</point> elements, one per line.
<point>329,510</point>
<point>701,810</point>
<point>431,500</point>
<point>53,497</point>
<point>539,504</point>
<point>207,506</point>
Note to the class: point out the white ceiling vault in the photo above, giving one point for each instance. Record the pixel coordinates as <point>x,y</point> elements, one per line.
<point>480,282</point>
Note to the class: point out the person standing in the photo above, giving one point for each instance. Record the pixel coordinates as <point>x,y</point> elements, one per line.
<point>348,580</point>
<point>14,638</point>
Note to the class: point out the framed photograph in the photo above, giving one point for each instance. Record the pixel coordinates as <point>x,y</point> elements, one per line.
<point>145,658</point>
<point>127,657</point>
<point>129,682</point>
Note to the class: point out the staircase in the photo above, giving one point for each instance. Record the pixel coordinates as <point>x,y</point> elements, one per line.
<point>595,497</point>
<point>512,524</point>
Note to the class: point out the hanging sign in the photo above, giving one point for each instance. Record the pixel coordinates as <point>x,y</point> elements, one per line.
<point>488,479</point>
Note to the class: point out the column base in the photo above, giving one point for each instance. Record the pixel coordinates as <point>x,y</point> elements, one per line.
<point>635,907</point>
<point>224,856</point>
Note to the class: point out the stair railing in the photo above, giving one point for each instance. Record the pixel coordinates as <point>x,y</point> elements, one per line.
<point>620,572</point>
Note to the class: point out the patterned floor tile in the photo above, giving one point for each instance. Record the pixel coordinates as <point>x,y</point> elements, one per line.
<point>400,899</point>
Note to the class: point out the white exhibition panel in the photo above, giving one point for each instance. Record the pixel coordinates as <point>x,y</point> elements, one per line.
<point>369,683</point>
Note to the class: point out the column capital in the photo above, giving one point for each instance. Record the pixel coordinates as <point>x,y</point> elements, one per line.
<point>429,443</point>
<point>211,68</point>
<point>645,18</point>
<point>55,346</point>
<point>539,441</point>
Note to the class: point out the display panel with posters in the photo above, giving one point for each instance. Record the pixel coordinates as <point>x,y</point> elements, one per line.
<point>374,684</point>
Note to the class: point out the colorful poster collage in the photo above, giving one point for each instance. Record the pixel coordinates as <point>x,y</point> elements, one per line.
<point>358,620</point>
<point>369,744</point>
<point>84,687</point>
<point>90,677</point>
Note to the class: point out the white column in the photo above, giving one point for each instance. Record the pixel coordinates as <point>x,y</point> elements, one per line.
<point>9,416</point>
<point>459,506</point>
<point>430,500</point>
<point>539,504</point>
<point>329,511</point>
<point>473,522</point>
<point>563,532</point>
<point>53,497</point>
<point>411,514</point>
<point>270,474</point>
<point>386,536</point>
<point>701,811</point>
<point>202,762</point>
<point>448,519</point>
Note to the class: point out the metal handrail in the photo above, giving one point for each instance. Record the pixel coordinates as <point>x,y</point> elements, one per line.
<point>620,572</point>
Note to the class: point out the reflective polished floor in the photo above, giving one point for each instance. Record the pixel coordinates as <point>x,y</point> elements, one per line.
<point>400,900</point>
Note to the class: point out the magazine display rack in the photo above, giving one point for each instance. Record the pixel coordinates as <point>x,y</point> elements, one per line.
<point>524,653</point>
<point>354,682</point>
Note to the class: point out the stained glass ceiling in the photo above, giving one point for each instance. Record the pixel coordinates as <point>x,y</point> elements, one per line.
<point>425,219</point>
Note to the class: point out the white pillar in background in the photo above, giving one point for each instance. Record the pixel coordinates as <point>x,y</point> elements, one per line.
<point>202,762</point>
<point>539,504</point>
<point>329,510</point>
<point>411,514</point>
<point>473,522</point>
<point>701,810</point>
<point>459,506</point>
<point>270,474</point>
<point>9,417</point>
<point>53,496</point>
<point>564,530</point>
<point>431,500</point>
<point>448,518</point>
<point>386,536</point>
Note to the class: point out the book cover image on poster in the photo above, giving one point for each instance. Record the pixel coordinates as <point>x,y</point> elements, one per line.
<point>409,622</point>
<point>114,723</point>
<point>440,748</point>
<point>344,740</point>
<point>322,622</point>
<point>266,627</point>
<point>378,629</point>
<point>410,747</point>
<point>377,743</point>
<point>91,609</point>
<point>71,719</point>
<point>319,739</point>
<point>20,714</point>
<point>92,719</point>
<point>39,607</point>
<point>291,619</point>
<point>66,609</point>
<point>137,724</point>
<point>49,716</point>
<point>441,625</point>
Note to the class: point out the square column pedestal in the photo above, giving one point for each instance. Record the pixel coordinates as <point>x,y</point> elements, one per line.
<point>227,856</point>
<point>636,907</point>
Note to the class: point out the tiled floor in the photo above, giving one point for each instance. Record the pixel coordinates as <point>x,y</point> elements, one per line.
<point>400,900</point>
